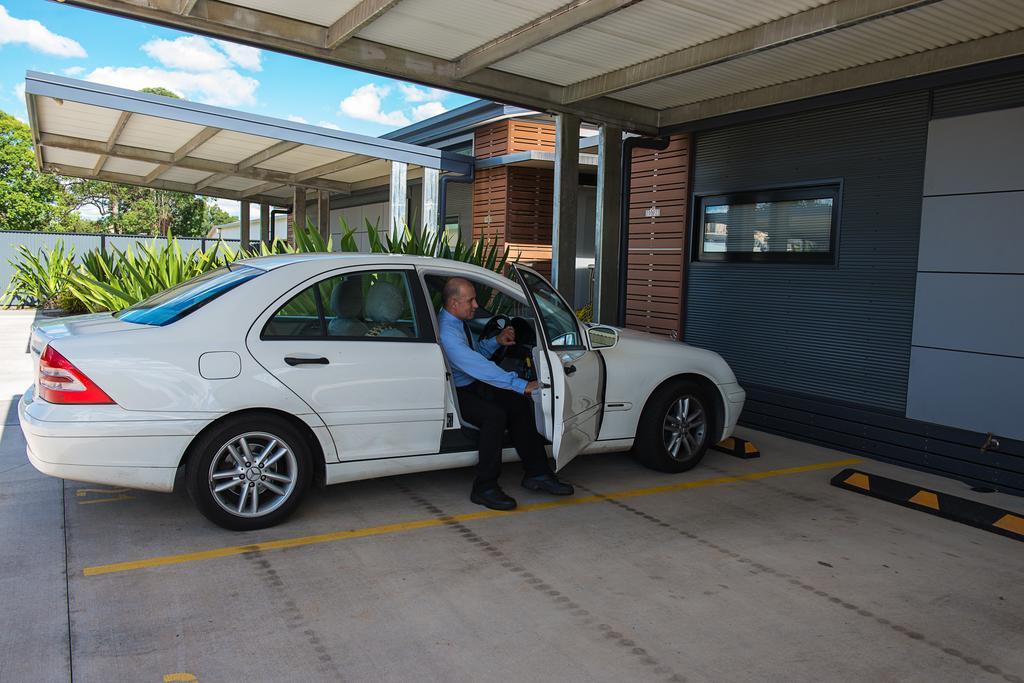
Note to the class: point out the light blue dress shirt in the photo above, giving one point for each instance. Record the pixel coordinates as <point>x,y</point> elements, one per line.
<point>469,365</point>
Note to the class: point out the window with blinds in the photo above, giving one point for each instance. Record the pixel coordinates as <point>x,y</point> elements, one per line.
<point>785,225</point>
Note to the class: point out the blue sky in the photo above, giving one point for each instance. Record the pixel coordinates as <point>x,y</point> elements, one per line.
<point>56,38</point>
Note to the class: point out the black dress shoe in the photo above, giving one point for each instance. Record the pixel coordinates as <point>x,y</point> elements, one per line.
<point>495,498</point>
<point>549,484</point>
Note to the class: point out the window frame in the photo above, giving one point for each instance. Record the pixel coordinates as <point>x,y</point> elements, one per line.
<point>420,309</point>
<point>831,188</point>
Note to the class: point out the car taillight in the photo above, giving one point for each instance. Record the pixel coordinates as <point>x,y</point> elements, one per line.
<point>61,382</point>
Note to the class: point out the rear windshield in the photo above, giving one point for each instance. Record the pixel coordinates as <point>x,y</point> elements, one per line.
<point>178,301</point>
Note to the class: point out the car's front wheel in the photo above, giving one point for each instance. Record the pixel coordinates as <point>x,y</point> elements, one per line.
<point>249,472</point>
<point>675,428</point>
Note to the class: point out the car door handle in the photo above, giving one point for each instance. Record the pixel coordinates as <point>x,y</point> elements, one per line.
<point>293,361</point>
<point>570,369</point>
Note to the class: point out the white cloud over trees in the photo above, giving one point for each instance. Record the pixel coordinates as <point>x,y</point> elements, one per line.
<point>36,36</point>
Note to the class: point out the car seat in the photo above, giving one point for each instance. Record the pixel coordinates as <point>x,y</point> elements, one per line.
<point>385,304</point>
<point>347,305</point>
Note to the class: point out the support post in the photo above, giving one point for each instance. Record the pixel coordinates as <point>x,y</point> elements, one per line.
<point>563,229</point>
<point>298,212</point>
<point>264,223</point>
<point>431,190</point>
<point>607,288</point>
<point>243,225</point>
<point>399,203</point>
<point>323,213</point>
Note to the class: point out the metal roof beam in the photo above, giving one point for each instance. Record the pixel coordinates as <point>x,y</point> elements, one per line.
<point>186,6</point>
<point>192,163</point>
<point>292,36</point>
<point>266,154</point>
<point>260,189</point>
<point>564,19</point>
<point>122,121</point>
<point>333,167</point>
<point>355,20</point>
<point>128,179</point>
<point>201,137</point>
<point>1001,46</point>
<point>817,21</point>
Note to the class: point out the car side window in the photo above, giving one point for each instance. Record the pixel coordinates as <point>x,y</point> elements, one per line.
<point>298,319</point>
<point>365,305</point>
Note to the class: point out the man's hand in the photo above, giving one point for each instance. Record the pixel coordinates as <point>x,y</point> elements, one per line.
<point>531,387</point>
<point>507,337</point>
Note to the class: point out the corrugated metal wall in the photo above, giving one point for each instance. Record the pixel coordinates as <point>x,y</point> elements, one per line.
<point>976,97</point>
<point>840,332</point>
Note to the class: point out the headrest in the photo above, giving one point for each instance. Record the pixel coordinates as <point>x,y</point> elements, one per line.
<point>384,303</point>
<point>347,298</point>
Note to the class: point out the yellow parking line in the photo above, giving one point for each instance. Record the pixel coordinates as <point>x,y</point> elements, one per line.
<point>105,500</point>
<point>434,522</point>
<point>84,492</point>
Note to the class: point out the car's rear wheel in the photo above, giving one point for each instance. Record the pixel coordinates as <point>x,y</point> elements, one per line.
<point>249,472</point>
<point>675,428</point>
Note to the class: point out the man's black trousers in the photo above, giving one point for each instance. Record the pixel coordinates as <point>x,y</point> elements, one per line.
<point>493,411</point>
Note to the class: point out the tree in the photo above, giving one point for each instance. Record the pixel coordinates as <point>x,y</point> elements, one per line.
<point>157,90</point>
<point>29,200</point>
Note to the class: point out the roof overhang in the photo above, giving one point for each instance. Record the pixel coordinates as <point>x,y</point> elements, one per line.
<point>535,159</point>
<point>94,131</point>
<point>644,66</point>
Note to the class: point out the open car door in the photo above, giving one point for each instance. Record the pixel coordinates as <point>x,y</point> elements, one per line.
<point>568,405</point>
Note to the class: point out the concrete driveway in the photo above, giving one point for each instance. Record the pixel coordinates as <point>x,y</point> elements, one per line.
<point>742,570</point>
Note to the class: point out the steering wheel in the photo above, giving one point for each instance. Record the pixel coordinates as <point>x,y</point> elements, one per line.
<point>493,328</point>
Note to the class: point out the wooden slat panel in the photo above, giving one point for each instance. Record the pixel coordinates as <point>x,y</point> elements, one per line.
<point>492,140</point>
<point>530,205</point>
<point>490,192</point>
<point>658,211</point>
<point>531,135</point>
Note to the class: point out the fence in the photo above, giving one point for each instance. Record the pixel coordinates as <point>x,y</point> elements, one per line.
<point>10,240</point>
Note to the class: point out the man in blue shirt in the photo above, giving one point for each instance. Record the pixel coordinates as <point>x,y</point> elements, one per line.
<point>493,399</point>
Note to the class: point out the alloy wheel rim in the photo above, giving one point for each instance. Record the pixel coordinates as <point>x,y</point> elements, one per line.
<point>684,428</point>
<point>253,474</point>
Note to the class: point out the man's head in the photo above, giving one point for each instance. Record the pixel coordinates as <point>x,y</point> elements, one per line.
<point>460,298</point>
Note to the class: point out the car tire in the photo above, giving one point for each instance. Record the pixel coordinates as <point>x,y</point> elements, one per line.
<point>267,460</point>
<point>675,428</point>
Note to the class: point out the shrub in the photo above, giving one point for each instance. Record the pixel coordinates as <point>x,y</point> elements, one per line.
<point>39,277</point>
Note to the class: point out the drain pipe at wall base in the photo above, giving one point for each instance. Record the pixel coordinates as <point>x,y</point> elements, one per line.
<point>628,146</point>
<point>442,200</point>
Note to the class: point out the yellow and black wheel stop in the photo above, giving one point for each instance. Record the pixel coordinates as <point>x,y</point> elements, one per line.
<point>737,447</point>
<point>970,512</point>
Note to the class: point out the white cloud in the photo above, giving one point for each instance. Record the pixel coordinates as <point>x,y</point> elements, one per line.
<point>242,55</point>
<point>229,205</point>
<point>296,119</point>
<point>224,87</point>
<point>328,124</point>
<point>74,71</point>
<point>30,32</point>
<point>189,53</point>
<point>365,103</point>
<point>414,94</point>
<point>425,111</point>
<point>19,92</point>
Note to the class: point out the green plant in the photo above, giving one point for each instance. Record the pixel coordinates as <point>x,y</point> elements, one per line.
<point>39,277</point>
<point>586,314</point>
<point>111,282</point>
<point>68,302</point>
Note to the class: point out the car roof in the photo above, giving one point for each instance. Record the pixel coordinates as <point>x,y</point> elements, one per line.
<point>355,259</point>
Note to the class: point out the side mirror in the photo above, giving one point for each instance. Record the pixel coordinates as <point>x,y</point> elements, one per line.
<point>602,337</point>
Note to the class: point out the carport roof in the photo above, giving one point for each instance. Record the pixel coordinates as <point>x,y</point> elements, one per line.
<point>643,65</point>
<point>94,131</point>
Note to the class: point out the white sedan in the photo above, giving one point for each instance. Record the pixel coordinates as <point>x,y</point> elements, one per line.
<point>250,382</point>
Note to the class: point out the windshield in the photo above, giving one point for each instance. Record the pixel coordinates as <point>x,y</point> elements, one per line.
<point>559,320</point>
<point>178,301</point>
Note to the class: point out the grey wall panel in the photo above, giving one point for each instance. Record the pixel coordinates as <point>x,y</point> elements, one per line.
<point>970,312</point>
<point>969,233</point>
<point>841,332</point>
<point>965,156</point>
<point>460,204</point>
<point>979,96</point>
<point>987,391</point>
